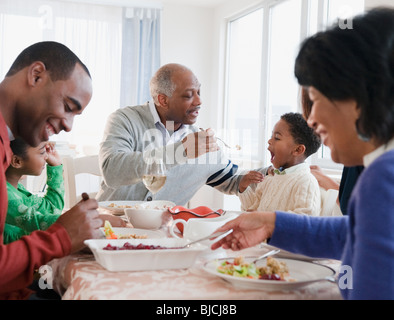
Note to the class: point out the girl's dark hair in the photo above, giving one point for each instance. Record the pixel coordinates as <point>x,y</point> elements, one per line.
<point>355,63</point>
<point>19,147</point>
<point>302,133</point>
<point>59,60</point>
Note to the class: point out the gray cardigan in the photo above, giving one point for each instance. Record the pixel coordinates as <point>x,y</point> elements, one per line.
<point>121,160</point>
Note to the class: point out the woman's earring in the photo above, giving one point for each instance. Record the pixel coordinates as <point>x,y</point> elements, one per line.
<point>363,137</point>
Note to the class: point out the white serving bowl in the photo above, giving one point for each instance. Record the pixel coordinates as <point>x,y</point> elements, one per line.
<point>136,260</point>
<point>149,215</point>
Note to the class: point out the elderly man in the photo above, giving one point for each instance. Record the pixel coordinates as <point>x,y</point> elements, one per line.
<point>163,128</point>
<point>45,88</point>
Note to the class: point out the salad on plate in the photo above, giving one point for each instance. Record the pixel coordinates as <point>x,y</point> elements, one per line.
<point>274,269</point>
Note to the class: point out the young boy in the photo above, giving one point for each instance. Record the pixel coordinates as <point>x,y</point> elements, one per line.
<point>291,187</point>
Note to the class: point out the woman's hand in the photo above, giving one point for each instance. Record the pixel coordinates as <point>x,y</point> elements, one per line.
<point>249,229</point>
<point>324,181</point>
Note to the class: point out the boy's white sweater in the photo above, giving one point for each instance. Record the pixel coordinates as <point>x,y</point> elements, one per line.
<point>295,191</point>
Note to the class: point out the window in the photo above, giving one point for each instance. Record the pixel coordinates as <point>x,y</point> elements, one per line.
<point>282,88</point>
<point>334,10</point>
<point>260,84</point>
<point>244,80</point>
<point>96,33</point>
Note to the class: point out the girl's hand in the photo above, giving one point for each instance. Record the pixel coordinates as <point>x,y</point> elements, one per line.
<point>54,158</point>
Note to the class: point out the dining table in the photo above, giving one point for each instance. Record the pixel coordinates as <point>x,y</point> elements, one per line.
<point>80,277</point>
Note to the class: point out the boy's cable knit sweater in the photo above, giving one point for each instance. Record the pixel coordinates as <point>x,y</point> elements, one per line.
<point>293,190</point>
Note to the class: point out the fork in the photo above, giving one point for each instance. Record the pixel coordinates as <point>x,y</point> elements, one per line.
<point>265,255</point>
<point>224,143</point>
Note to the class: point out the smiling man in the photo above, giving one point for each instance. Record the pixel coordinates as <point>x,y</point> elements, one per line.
<point>54,90</point>
<point>164,128</point>
<point>45,88</point>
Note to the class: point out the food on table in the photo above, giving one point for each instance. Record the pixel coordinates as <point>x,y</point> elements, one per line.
<point>274,269</point>
<point>119,206</point>
<point>131,236</point>
<point>128,246</point>
<point>110,233</point>
<point>138,206</point>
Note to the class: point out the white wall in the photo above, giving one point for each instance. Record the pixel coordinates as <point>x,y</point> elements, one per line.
<point>377,3</point>
<point>187,39</point>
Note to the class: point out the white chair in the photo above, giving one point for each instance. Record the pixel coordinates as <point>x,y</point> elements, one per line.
<point>86,166</point>
<point>329,203</point>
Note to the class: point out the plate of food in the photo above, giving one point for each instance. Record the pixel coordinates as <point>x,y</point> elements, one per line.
<point>273,274</point>
<point>144,254</point>
<point>129,233</point>
<point>117,207</point>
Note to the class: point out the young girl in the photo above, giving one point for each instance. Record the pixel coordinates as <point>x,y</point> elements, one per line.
<point>28,212</point>
<point>292,187</point>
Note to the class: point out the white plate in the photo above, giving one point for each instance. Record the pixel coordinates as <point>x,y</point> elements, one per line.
<point>142,260</point>
<point>151,234</point>
<point>303,272</point>
<point>119,206</point>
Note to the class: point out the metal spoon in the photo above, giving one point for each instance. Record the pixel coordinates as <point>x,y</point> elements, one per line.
<point>213,235</point>
<point>265,255</point>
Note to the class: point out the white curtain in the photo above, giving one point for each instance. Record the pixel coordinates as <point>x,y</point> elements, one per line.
<point>94,33</point>
<point>140,53</point>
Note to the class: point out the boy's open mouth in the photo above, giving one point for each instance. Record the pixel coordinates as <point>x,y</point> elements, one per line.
<point>272,156</point>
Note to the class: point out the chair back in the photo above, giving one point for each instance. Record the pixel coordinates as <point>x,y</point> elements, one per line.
<point>87,165</point>
<point>329,203</point>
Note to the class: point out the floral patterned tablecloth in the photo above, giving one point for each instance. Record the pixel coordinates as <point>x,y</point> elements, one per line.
<point>79,276</point>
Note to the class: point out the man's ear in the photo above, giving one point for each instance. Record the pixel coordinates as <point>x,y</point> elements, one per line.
<point>16,162</point>
<point>163,101</point>
<point>37,73</point>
